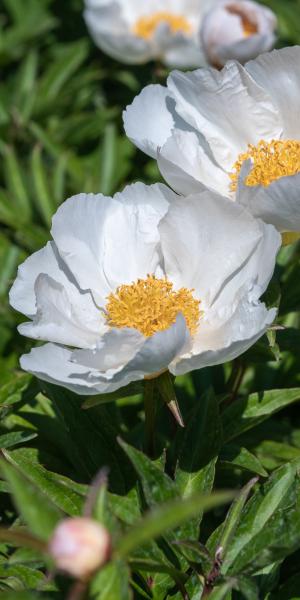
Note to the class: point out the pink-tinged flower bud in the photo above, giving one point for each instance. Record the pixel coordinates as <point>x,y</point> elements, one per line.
<point>80,546</point>
<point>237,29</point>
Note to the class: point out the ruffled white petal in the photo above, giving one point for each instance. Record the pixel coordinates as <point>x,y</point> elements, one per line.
<point>53,363</point>
<point>148,121</point>
<point>216,345</point>
<point>122,356</point>
<point>187,167</point>
<point>227,107</point>
<point>206,240</point>
<point>22,294</point>
<point>64,318</point>
<point>107,242</point>
<point>278,73</point>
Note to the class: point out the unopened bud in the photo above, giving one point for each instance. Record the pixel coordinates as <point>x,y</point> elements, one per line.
<point>80,546</point>
<point>240,30</point>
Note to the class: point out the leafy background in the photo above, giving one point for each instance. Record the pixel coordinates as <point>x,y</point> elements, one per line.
<point>61,102</point>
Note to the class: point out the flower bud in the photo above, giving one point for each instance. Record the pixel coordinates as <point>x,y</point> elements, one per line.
<point>237,29</point>
<point>80,546</point>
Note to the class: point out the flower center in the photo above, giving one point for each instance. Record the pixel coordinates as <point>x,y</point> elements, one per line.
<point>271,160</point>
<point>249,28</point>
<point>151,305</point>
<point>145,27</point>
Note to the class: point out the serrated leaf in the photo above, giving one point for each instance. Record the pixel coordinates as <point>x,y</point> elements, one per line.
<point>157,485</point>
<point>36,509</point>
<point>55,487</point>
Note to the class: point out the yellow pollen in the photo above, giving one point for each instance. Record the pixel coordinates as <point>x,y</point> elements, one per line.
<point>271,160</point>
<point>145,27</point>
<point>151,305</point>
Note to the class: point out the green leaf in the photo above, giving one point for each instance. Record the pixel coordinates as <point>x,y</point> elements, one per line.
<point>202,440</point>
<point>112,583</point>
<point>168,516</point>
<point>15,182</point>
<point>55,487</point>
<point>290,590</point>
<point>11,392</point>
<point>8,440</point>
<point>157,486</point>
<point>132,389</point>
<point>44,202</point>
<point>249,412</point>
<point>36,509</point>
<point>234,516</point>
<point>259,510</point>
<point>237,456</point>
<point>60,71</point>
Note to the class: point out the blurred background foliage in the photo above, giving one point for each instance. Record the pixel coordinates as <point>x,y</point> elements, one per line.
<point>61,104</point>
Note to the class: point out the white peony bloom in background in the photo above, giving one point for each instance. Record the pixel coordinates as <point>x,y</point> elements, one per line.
<point>240,30</point>
<point>236,132</point>
<point>137,31</point>
<point>143,282</point>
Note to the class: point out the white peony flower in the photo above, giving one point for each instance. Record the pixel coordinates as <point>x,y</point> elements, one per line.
<point>237,29</point>
<point>143,282</point>
<point>138,31</point>
<point>236,132</point>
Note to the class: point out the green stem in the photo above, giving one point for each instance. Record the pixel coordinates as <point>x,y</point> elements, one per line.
<point>149,403</point>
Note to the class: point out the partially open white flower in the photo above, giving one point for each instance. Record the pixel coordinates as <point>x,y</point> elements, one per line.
<point>237,29</point>
<point>236,132</point>
<point>136,31</point>
<point>79,546</point>
<point>143,282</point>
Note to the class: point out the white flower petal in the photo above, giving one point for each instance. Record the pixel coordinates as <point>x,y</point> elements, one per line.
<point>107,242</point>
<point>125,355</point>
<point>64,317</point>
<point>221,344</point>
<point>278,72</point>
<point>148,121</point>
<point>227,107</point>
<point>47,260</point>
<point>277,203</point>
<point>206,239</point>
<point>186,166</point>
<point>52,363</point>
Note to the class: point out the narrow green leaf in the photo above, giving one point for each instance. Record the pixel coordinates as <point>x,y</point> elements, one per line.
<point>44,203</point>
<point>168,516</point>
<point>260,508</point>
<point>15,182</point>
<point>8,440</point>
<point>234,516</point>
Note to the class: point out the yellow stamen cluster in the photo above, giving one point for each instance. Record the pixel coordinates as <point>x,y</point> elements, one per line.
<point>145,27</point>
<point>249,28</point>
<point>151,305</point>
<point>271,160</point>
